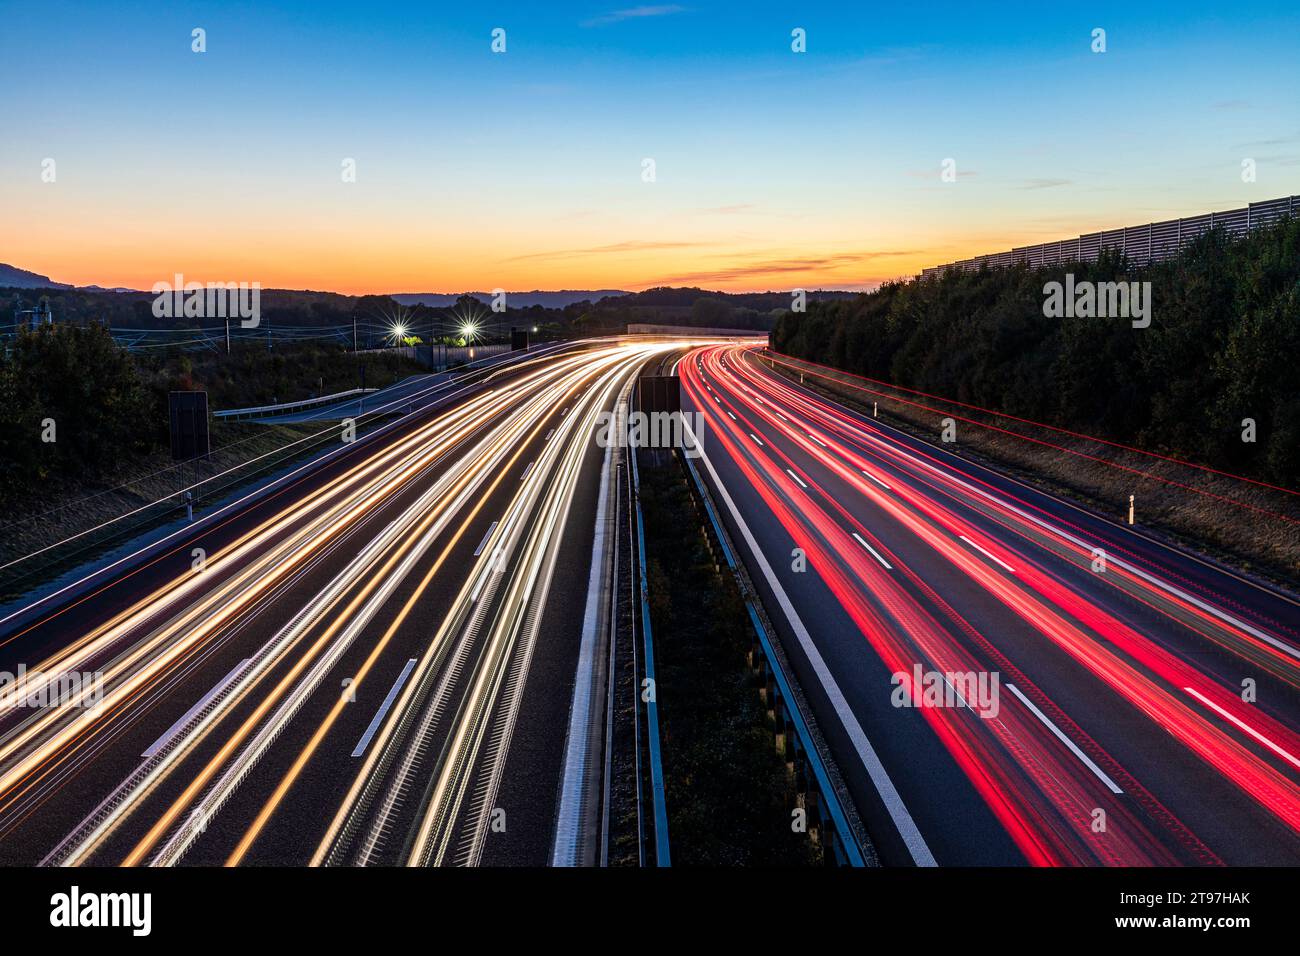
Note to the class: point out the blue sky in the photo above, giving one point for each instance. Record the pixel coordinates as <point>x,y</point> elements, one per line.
<point>773,169</point>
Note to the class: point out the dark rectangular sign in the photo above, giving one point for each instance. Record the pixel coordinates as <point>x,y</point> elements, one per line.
<point>188,413</point>
<point>660,393</point>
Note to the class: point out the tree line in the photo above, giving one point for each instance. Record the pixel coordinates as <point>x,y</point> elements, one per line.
<point>76,408</point>
<point>1222,348</point>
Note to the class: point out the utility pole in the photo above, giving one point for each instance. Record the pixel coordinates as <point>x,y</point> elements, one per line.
<point>227,335</point>
<point>354,334</point>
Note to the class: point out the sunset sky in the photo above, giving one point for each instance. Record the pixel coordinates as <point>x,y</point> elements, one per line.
<point>523,170</point>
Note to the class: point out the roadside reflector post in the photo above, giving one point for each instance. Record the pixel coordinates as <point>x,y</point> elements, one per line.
<point>875,409</point>
<point>1130,509</point>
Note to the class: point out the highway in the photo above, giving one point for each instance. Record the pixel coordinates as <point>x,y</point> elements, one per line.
<point>372,663</point>
<point>358,668</point>
<point>1004,677</point>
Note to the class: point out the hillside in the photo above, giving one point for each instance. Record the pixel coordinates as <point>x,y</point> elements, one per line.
<point>14,278</point>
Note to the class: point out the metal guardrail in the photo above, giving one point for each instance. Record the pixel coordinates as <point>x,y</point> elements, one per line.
<point>237,413</point>
<point>1144,244</point>
<point>845,845</point>
<point>663,856</point>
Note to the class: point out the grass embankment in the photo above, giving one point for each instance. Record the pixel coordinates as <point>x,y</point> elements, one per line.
<point>1254,540</point>
<point>149,482</point>
<point>729,793</point>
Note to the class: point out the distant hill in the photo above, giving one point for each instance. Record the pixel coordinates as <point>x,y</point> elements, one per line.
<point>516,300</point>
<point>11,277</point>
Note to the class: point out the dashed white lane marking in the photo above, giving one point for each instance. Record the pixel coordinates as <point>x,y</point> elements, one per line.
<point>874,553</point>
<point>364,742</point>
<point>483,544</point>
<point>184,719</point>
<point>1284,754</point>
<point>876,480</point>
<point>987,555</point>
<point>1087,761</point>
<point>796,478</point>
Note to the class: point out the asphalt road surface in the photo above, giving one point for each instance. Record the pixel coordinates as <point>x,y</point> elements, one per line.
<point>993,692</point>
<point>372,664</point>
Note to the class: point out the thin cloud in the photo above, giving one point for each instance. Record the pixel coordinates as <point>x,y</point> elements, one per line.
<point>617,248</point>
<point>633,13</point>
<point>1044,183</point>
<point>751,270</point>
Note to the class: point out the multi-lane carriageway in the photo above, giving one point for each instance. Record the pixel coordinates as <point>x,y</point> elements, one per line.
<point>381,651</point>
<point>1119,733</point>
<point>369,660</point>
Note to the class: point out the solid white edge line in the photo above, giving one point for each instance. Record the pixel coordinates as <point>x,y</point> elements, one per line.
<point>573,778</point>
<point>1087,761</point>
<point>1276,748</point>
<point>880,779</point>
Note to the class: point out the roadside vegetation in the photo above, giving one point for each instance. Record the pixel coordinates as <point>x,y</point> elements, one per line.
<point>84,433</point>
<point>1223,346</point>
<point>77,410</point>
<point>729,793</point>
